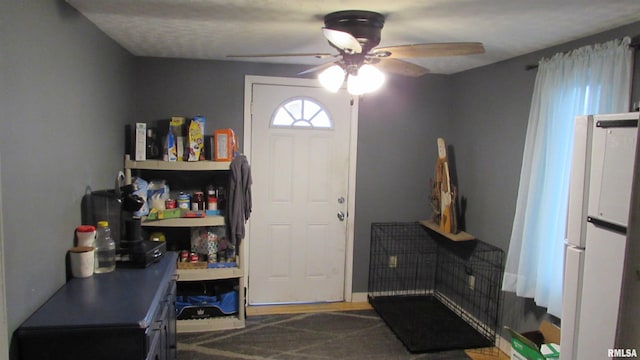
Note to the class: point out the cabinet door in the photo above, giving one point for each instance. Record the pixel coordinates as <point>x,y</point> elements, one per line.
<point>156,349</point>
<point>156,352</point>
<point>162,339</point>
<point>170,320</point>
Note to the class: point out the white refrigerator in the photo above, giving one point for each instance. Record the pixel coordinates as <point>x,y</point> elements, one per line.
<point>599,200</point>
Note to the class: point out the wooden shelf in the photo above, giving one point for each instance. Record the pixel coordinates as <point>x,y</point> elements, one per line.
<point>217,323</point>
<point>186,222</point>
<point>460,236</point>
<point>206,165</point>
<point>209,274</point>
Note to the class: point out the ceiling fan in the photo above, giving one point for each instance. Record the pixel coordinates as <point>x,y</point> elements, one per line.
<point>355,34</point>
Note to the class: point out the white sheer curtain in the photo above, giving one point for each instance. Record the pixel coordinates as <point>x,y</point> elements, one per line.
<point>589,80</point>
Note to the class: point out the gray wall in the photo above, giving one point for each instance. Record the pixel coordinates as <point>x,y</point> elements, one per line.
<point>65,95</point>
<point>213,89</point>
<point>402,122</point>
<point>67,90</point>
<point>397,131</point>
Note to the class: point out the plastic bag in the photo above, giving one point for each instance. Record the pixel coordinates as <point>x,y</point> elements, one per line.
<point>141,187</point>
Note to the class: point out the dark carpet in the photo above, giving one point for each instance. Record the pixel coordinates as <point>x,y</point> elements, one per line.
<point>324,335</point>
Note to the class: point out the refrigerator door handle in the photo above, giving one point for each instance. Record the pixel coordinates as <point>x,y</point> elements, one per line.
<point>605,124</point>
<point>607,225</point>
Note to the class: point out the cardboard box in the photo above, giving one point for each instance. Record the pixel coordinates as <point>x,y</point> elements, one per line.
<point>537,344</point>
<point>196,139</point>
<point>225,144</point>
<point>141,142</point>
<point>177,133</point>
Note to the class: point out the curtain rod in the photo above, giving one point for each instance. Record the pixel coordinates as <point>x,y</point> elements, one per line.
<point>635,45</point>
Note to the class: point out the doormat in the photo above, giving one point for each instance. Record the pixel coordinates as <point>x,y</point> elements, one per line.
<point>424,324</point>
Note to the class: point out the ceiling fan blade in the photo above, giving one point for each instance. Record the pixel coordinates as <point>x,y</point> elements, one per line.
<point>401,67</point>
<point>317,55</point>
<point>342,40</point>
<point>318,68</point>
<point>430,50</point>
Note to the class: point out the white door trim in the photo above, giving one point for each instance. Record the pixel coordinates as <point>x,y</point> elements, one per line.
<point>351,188</point>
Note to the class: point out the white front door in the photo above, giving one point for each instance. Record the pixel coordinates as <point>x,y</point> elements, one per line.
<point>300,147</point>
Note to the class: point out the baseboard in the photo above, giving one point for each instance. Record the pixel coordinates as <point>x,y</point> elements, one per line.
<point>255,310</point>
<point>503,344</point>
<point>359,297</point>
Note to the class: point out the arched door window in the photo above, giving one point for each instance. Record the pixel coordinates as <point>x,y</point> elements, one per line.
<point>301,112</point>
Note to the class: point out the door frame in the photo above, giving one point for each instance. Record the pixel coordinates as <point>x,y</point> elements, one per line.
<point>4,332</point>
<point>250,80</point>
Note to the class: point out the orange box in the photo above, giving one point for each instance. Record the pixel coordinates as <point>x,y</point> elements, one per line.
<point>226,144</point>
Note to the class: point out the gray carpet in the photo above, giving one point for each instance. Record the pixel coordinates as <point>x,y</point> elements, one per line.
<point>328,335</point>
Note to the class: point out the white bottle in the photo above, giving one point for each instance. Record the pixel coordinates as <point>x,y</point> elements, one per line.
<point>105,249</point>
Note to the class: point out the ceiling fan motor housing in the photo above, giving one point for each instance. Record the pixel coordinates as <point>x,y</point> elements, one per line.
<point>364,25</point>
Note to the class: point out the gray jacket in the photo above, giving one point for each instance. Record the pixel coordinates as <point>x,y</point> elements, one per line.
<point>238,198</point>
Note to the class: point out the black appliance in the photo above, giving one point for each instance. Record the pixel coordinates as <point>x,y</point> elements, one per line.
<point>141,254</point>
<point>116,207</point>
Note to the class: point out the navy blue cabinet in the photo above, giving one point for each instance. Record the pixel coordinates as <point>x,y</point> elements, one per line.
<point>125,314</point>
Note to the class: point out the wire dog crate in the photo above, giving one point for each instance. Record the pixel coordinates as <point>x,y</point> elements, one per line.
<point>433,293</point>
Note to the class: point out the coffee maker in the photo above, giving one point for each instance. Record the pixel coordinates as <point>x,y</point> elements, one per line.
<point>117,206</point>
<point>134,250</point>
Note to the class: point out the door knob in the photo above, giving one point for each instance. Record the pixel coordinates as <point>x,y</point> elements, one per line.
<point>340,216</point>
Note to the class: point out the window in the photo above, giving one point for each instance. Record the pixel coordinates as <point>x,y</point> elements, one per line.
<point>568,84</point>
<point>301,112</point>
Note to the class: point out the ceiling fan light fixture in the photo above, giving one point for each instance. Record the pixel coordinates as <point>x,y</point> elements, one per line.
<point>368,79</point>
<point>332,78</point>
<point>356,35</point>
<point>365,26</point>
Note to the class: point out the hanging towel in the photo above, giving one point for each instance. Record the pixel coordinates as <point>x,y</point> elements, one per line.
<point>239,197</point>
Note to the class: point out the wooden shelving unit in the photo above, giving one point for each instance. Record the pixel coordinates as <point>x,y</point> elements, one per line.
<point>235,321</point>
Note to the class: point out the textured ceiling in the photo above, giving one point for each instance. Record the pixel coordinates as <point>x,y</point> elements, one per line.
<point>213,29</point>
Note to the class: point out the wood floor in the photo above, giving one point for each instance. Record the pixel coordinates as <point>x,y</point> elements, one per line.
<point>475,354</point>
<point>306,308</point>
